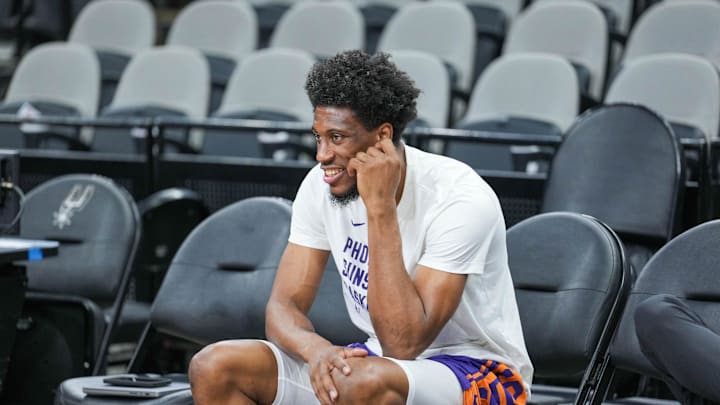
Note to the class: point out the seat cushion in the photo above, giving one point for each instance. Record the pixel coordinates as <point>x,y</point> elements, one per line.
<point>70,392</point>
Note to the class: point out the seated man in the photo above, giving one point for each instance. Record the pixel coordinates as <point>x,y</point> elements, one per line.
<point>419,242</point>
<point>676,340</point>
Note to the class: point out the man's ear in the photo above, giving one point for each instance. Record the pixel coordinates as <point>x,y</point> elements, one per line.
<point>385,131</point>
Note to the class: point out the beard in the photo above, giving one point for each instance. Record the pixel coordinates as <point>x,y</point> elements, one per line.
<point>343,200</point>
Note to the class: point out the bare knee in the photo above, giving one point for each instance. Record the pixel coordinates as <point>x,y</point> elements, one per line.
<point>210,365</point>
<point>233,372</point>
<point>372,381</point>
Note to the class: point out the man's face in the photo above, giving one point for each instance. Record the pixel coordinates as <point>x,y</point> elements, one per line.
<point>339,137</point>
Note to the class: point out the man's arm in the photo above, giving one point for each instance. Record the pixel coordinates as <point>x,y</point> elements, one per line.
<point>407,314</point>
<point>287,324</point>
<point>296,284</point>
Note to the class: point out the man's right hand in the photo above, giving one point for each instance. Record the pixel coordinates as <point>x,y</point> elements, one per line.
<point>323,362</point>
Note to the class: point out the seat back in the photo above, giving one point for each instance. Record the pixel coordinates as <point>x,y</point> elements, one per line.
<point>224,31</point>
<point>270,80</point>
<point>529,93</point>
<point>445,29</point>
<point>620,163</point>
<point>119,26</point>
<point>321,28</point>
<point>509,8</point>
<point>223,28</point>
<point>170,81</point>
<point>98,227</point>
<point>537,86</point>
<point>168,216</point>
<point>269,84</point>
<point>686,267</point>
<point>74,82</point>
<point>220,279</point>
<point>116,30</point>
<point>172,77</point>
<point>431,77</point>
<point>573,29</point>
<point>571,281</point>
<point>691,26</point>
<point>651,80</point>
<point>619,14</point>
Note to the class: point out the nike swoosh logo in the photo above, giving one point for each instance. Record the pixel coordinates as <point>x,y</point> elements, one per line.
<point>357,224</point>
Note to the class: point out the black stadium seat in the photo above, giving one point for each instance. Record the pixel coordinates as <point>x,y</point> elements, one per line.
<point>219,282</point>
<point>686,267</point>
<point>73,300</point>
<point>621,164</point>
<point>571,281</point>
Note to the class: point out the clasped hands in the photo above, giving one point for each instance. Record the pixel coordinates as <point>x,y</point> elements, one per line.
<point>322,365</point>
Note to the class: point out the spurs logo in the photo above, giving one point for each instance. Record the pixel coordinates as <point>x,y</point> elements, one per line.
<point>75,201</point>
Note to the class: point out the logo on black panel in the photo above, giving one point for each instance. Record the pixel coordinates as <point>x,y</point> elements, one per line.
<point>75,201</point>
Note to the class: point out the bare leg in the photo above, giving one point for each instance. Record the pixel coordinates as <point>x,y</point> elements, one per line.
<point>234,372</point>
<point>373,381</point>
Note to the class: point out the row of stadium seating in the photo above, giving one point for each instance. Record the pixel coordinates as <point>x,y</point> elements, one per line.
<point>643,161</point>
<point>522,91</point>
<point>634,186</point>
<point>578,324</point>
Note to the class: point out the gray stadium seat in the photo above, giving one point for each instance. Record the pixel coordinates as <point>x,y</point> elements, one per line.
<point>571,281</point>
<point>219,282</point>
<point>690,26</point>
<point>493,19</point>
<point>574,29</point>
<point>653,81</point>
<point>444,29</point>
<point>431,77</point>
<point>534,86</point>
<point>529,93</point>
<point>376,14</point>
<point>323,28</point>
<point>619,15</point>
<point>117,30</point>
<point>164,81</point>
<point>691,105</point>
<point>74,300</point>
<point>510,8</point>
<point>686,267</point>
<point>269,84</point>
<point>621,163</point>
<point>72,89</point>
<point>224,30</point>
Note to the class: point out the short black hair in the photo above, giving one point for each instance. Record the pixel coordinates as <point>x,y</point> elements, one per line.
<point>369,85</point>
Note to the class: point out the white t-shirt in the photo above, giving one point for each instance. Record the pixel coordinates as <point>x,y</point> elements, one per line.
<point>450,220</point>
